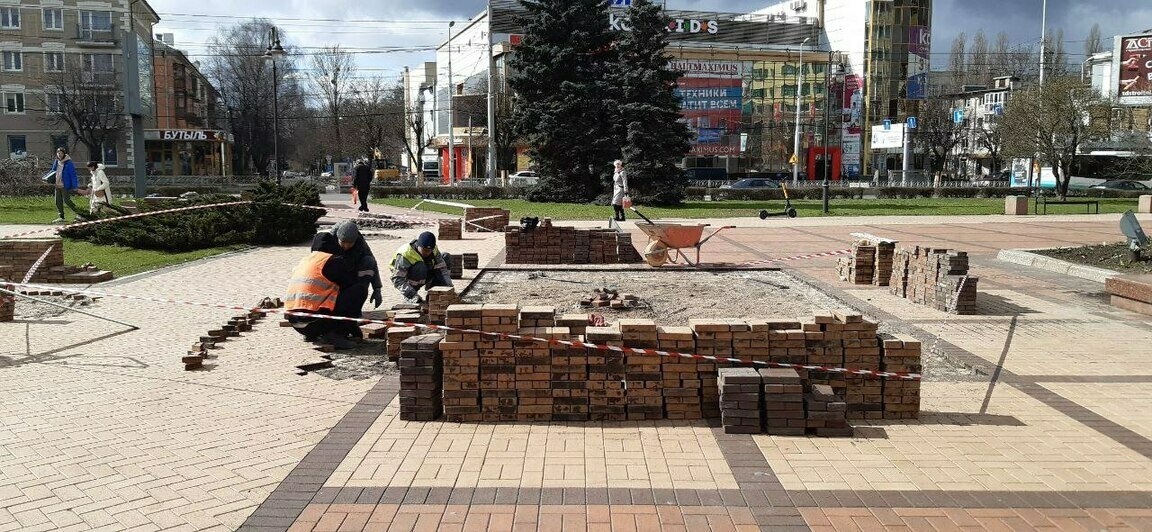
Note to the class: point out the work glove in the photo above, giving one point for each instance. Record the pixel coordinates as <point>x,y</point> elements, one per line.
<point>409,292</point>
<point>377,298</point>
<point>415,299</point>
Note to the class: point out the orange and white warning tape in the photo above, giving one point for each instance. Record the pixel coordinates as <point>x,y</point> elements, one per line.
<point>550,341</point>
<point>799,257</point>
<point>36,265</point>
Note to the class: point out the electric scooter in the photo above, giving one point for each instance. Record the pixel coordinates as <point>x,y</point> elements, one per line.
<point>788,211</point>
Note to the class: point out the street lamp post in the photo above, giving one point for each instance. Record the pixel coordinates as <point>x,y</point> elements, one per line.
<point>796,136</point>
<point>451,118</point>
<point>827,104</point>
<point>274,52</point>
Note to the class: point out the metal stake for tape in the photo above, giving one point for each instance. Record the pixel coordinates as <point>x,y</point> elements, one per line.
<point>66,307</point>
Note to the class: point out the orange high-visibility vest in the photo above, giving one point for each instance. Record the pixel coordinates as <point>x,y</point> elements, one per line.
<point>309,290</point>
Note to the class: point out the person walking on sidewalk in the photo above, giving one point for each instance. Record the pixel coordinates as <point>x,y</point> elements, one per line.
<point>619,190</point>
<point>100,194</point>
<point>362,180</point>
<point>66,184</point>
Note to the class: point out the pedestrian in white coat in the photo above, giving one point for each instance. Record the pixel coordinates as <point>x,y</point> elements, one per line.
<point>100,194</point>
<point>619,190</point>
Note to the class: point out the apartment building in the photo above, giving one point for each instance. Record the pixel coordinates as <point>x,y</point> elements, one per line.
<point>56,53</point>
<point>185,136</point>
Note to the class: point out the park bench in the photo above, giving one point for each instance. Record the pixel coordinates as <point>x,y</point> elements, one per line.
<point>1042,203</point>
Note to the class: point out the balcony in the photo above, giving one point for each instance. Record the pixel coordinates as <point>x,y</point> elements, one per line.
<point>100,79</point>
<point>103,37</point>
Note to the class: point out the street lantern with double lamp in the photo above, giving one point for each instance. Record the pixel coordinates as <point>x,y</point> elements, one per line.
<point>274,52</point>
<point>796,136</point>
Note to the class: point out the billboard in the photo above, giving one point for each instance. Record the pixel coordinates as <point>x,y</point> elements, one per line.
<point>852,116</point>
<point>887,138</point>
<point>1134,72</point>
<point>919,47</point>
<point>712,100</point>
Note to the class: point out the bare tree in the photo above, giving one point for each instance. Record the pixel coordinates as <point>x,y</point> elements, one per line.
<point>1055,58</point>
<point>979,64</point>
<point>334,79</point>
<point>415,131</point>
<point>86,100</point>
<point>505,136</point>
<point>938,132</point>
<point>991,138</point>
<point>374,111</point>
<point>957,61</point>
<point>1094,43</point>
<point>244,78</point>
<point>1053,123</point>
<point>999,54</point>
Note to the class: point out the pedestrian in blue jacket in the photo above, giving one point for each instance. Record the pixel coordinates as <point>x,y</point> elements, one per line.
<point>66,184</point>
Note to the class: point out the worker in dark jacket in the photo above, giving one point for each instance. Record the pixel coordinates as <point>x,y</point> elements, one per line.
<point>318,287</point>
<point>362,180</point>
<point>419,264</point>
<point>346,241</point>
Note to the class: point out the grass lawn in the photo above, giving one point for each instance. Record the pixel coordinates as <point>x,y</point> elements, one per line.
<point>738,209</point>
<point>128,261</point>
<point>37,209</point>
<point>121,261</point>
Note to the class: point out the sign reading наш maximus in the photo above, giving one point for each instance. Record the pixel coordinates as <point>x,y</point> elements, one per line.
<point>1135,73</point>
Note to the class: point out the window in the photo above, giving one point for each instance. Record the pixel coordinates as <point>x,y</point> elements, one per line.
<point>53,61</point>
<point>52,103</point>
<point>98,63</point>
<point>110,155</point>
<point>17,145</point>
<point>14,102</point>
<point>53,18</point>
<point>96,21</point>
<point>10,18</point>
<point>13,61</point>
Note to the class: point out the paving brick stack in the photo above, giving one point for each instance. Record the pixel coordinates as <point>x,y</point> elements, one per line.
<point>863,394</point>
<point>532,399</point>
<point>498,363</point>
<point>485,219</point>
<point>576,323</point>
<point>421,378</point>
<point>470,261</point>
<point>449,229</point>
<point>645,381</point>
<point>713,338</point>
<point>17,256</point>
<point>741,407</point>
<point>396,336</point>
<point>935,277</point>
<point>455,269</point>
<point>568,245</point>
<point>885,260</point>
<point>7,307</point>
<point>860,267</point>
<point>605,376</point>
<point>783,402</point>
<point>681,379</point>
<point>786,343</point>
<point>825,413</point>
<point>569,378</point>
<point>901,354</point>
<point>823,343</point>
<point>461,353</point>
<point>439,299</point>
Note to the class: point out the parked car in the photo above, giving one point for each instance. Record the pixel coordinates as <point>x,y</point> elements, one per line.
<point>753,183</point>
<point>523,178</point>
<point>1122,184</point>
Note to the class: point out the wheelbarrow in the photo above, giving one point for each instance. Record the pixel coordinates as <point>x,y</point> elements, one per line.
<point>666,241</point>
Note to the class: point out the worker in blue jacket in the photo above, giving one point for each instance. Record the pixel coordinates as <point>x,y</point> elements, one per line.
<point>66,184</point>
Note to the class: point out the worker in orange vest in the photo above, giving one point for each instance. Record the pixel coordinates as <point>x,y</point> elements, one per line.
<point>315,288</point>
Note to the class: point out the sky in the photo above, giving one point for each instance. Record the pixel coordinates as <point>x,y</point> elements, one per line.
<point>369,26</point>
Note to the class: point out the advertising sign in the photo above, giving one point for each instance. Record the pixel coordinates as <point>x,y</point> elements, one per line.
<point>1020,172</point>
<point>712,99</point>
<point>919,46</point>
<point>888,138</point>
<point>1134,75</point>
<point>851,119</point>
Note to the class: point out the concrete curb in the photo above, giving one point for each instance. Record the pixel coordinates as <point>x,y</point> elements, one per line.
<point>1026,258</point>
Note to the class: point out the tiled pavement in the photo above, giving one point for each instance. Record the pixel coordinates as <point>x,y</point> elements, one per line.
<point>111,432</point>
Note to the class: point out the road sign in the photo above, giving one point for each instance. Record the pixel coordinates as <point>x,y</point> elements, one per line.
<point>958,116</point>
<point>887,125</point>
<point>793,159</point>
<point>912,122</point>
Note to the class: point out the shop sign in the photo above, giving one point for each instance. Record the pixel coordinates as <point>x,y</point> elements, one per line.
<point>189,135</point>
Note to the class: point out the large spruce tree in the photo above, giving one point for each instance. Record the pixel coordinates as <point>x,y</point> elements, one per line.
<point>655,137</point>
<point>565,96</point>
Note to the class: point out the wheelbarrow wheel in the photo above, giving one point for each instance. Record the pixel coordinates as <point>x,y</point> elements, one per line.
<point>656,254</point>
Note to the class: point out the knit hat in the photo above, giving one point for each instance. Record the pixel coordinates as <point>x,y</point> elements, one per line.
<point>426,240</point>
<point>348,232</point>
